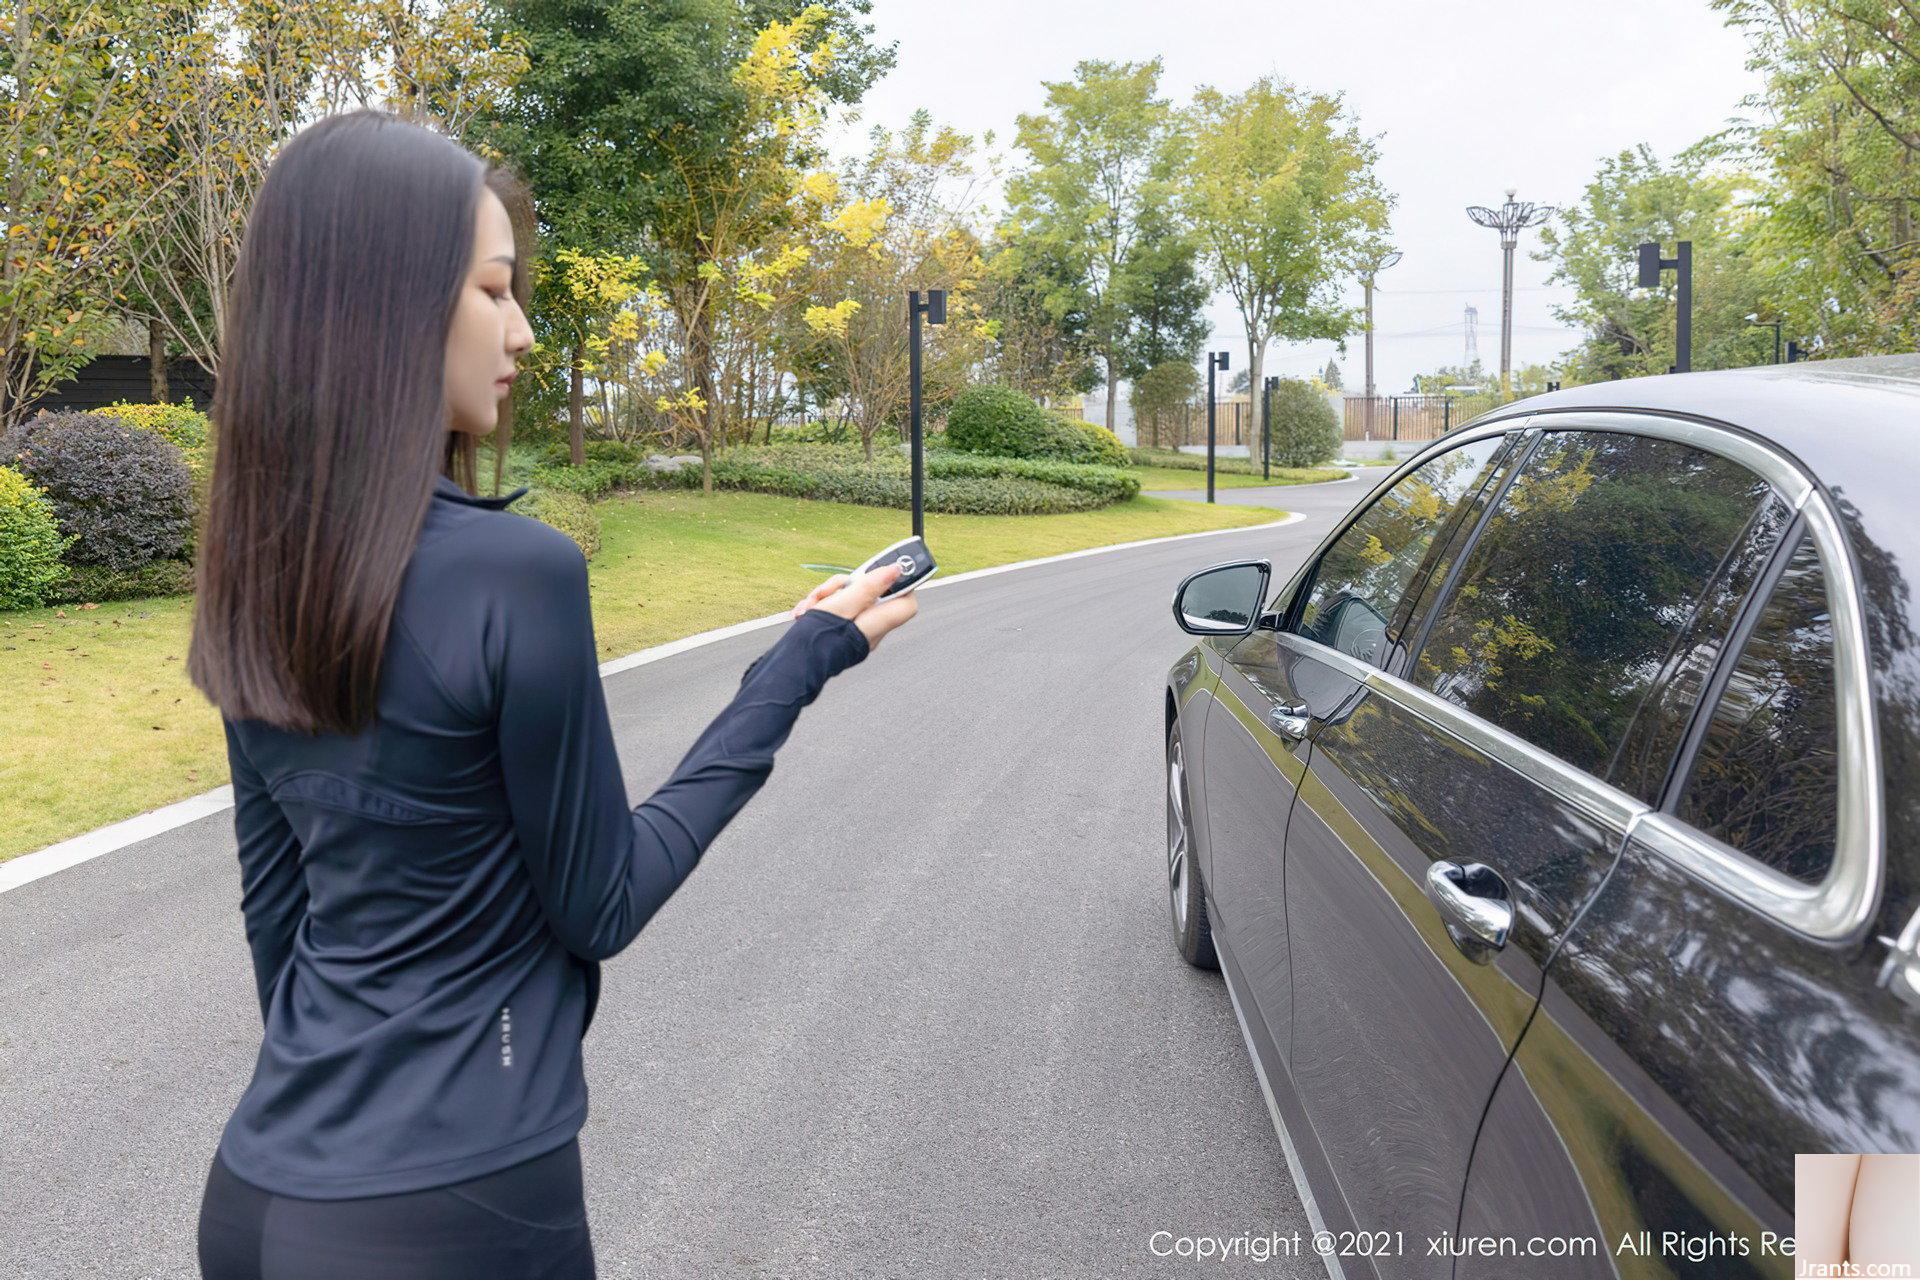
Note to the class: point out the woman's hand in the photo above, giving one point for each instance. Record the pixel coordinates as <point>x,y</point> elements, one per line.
<point>852,597</point>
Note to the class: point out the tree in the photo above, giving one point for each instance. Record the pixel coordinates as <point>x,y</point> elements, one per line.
<point>1163,293</point>
<point>591,304</point>
<point>243,76</point>
<point>726,221</point>
<point>1281,190</point>
<point>1100,163</point>
<point>1161,397</point>
<point>1839,146</point>
<point>1036,318</point>
<point>78,102</point>
<point>1331,377</point>
<point>907,225</point>
<point>1635,198</point>
<point>624,103</point>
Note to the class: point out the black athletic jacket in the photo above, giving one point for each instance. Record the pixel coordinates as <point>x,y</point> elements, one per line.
<point>428,901</point>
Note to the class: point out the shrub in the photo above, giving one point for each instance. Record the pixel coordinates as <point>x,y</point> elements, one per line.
<point>187,428</point>
<point>568,512</point>
<point>1305,430</point>
<point>1003,422</point>
<point>125,494</point>
<point>180,425</point>
<point>821,431</point>
<point>557,453</point>
<point>591,481</point>
<point>30,544</point>
<point>1096,445</point>
<point>97,582</point>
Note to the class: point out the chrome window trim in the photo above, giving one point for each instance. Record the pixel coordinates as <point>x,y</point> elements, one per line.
<point>1845,901</point>
<point>1792,484</point>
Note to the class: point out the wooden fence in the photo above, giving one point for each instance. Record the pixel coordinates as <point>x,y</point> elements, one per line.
<point>105,379</point>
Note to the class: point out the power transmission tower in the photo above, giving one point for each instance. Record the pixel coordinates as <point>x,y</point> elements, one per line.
<point>1510,219</point>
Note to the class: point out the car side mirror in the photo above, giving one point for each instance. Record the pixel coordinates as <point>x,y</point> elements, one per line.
<point>1223,600</point>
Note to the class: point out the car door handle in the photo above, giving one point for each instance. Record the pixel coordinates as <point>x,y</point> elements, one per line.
<point>1291,719</point>
<point>1474,905</point>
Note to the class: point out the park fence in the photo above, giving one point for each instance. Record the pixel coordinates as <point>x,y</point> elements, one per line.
<point>1412,418</point>
<point>1187,424</point>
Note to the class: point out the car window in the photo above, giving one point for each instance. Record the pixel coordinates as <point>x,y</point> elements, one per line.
<point>1657,734</point>
<point>1589,566</point>
<point>1360,579</point>
<point>1765,777</point>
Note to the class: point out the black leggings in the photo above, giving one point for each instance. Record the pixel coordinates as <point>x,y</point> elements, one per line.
<point>525,1222</point>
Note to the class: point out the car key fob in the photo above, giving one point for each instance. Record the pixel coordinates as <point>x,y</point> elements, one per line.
<point>915,561</point>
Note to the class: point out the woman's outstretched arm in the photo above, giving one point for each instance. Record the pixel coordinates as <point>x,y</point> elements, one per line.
<point>600,868</point>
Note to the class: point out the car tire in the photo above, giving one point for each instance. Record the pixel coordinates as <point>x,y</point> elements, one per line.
<point>1186,892</point>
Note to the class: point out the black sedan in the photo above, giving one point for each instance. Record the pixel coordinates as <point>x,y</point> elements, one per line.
<point>1556,826</point>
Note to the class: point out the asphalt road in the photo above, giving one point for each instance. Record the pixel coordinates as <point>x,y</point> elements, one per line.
<point>917,1014</point>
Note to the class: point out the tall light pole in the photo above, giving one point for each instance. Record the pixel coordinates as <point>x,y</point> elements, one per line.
<point>1371,269</point>
<point>1510,219</point>
<point>1216,360</point>
<point>1266,426</point>
<point>934,308</point>
<point>1651,265</point>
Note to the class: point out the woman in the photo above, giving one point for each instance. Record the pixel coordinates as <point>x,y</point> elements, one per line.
<point>435,843</point>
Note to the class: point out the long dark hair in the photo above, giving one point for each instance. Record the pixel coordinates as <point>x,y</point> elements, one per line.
<point>330,415</point>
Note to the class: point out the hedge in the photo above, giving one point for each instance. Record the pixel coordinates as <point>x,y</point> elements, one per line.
<point>956,482</point>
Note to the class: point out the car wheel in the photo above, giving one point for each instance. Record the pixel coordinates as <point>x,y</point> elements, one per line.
<point>1186,893</point>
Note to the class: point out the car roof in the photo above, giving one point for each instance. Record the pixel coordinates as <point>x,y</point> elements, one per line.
<point>1844,419</point>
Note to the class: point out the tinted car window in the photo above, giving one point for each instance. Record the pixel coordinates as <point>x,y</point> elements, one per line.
<point>1659,730</point>
<point>1765,778</point>
<point>1591,563</point>
<point>1359,581</point>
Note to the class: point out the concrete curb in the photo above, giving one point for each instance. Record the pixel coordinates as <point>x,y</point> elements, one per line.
<point>70,852</point>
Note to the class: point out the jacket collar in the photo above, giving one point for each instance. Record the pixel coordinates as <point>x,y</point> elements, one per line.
<point>444,486</point>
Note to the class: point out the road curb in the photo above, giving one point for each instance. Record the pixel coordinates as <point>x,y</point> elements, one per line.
<point>75,850</point>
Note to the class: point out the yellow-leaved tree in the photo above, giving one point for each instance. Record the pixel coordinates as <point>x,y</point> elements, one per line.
<point>906,218</point>
<point>729,230</point>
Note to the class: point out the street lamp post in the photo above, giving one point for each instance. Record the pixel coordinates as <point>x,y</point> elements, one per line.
<point>1510,219</point>
<point>1266,423</point>
<point>1216,360</point>
<point>1373,268</point>
<point>934,308</point>
<point>1774,325</point>
<point>1651,265</point>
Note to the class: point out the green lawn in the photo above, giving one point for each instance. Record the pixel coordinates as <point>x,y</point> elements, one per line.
<point>103,723</point>
<point>1180,478</point>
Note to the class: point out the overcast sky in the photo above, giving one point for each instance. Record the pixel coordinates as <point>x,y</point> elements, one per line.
<point>1466,99</point>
